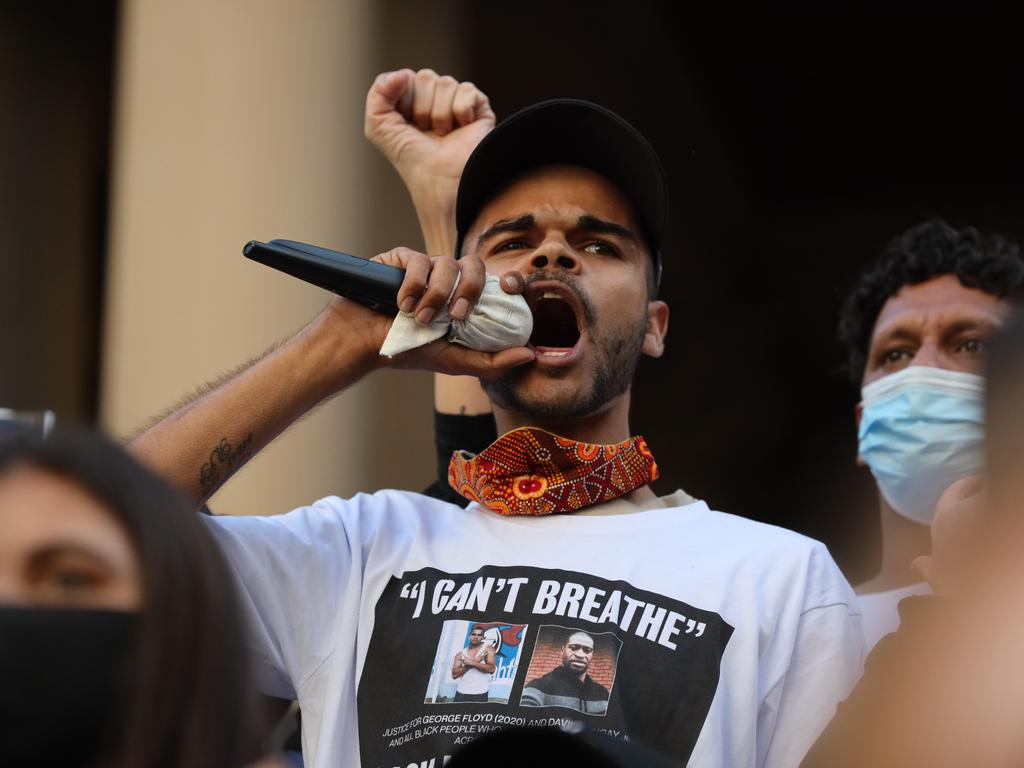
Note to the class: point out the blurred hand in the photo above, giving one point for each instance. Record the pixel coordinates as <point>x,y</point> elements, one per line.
<point>426,125</point>
<point>955,528</point>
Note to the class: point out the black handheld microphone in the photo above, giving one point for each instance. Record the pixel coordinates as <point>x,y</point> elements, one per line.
<point>371,283</point>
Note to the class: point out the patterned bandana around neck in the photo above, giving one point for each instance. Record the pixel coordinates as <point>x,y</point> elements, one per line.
<point>532,472</point>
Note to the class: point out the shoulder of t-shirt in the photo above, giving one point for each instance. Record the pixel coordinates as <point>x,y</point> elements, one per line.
<point>781,550</point>
<point>386,499</point>
<point>398,510</point>
<point>386,507</point>
<point>758,534</point>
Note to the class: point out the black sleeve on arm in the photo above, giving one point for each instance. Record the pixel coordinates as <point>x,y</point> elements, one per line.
<point>457,433</point>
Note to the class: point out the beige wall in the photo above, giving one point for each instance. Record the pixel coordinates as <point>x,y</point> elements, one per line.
<point>241,120</point>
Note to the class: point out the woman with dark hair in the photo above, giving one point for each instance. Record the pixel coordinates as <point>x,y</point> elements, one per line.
<point>119,628</point>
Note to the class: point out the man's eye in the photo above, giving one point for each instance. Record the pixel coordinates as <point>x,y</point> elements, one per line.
<point>973,346</point>
<point>894,356</point>
<point>601,247</point>
<point>511,245</point>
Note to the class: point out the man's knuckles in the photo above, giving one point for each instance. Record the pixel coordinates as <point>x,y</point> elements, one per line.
<point>471,286</point>
<point>431,281</point>
<point>412,287</point>
<point>402,257</point>
<point>436,293</point>
<point>390,85</point>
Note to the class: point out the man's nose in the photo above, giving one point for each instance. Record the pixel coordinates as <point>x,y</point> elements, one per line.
<point>554,253</point>
<point>928,354</point>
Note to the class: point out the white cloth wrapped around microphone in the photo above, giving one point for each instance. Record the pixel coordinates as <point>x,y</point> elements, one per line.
<point>498,321</point>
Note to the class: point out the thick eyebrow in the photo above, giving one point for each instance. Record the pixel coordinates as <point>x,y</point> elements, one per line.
<point>898,332</point>
<point>589,223</point>
<point>520,224</point>
<point>986,325</point>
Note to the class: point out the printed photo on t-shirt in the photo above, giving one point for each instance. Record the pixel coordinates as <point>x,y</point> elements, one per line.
<point>573,668</point>
<point>476,662</point>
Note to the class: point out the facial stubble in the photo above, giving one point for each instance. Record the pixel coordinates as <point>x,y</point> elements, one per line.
<point>617,358</point>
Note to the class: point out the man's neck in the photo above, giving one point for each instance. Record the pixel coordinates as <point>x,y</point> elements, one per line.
<point>608,426</point>
<point>902,541</point>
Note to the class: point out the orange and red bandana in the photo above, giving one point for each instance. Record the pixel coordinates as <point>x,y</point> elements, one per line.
<point>532,472</point>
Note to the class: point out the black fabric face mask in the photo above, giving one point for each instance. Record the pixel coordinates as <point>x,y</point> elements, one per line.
<point>63,676</point>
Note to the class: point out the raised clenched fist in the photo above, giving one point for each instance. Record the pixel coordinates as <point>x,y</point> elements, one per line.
<point>427,125</point>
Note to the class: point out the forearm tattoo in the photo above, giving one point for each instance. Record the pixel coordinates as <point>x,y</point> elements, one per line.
<point>224,459</point>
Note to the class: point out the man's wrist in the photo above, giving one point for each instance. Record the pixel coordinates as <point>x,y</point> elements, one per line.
<point>343,345</point>
<point>433,198</point>
<point>437,223</point>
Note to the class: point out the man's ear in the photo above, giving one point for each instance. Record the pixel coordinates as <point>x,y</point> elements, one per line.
<point>657,327</point>
<point>858,413</point>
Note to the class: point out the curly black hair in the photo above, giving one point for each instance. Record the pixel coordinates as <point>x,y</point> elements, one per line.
<point>990,262</point>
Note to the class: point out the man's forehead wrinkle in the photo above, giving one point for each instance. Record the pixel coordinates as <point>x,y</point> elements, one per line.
<point>550,214</point>
<point>543,190</point>
<point>912,319</point>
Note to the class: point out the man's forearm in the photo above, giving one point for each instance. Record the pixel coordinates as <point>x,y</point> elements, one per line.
<point>199,445</point>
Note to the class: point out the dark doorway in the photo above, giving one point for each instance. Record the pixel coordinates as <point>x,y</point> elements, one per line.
<point>795,148</point>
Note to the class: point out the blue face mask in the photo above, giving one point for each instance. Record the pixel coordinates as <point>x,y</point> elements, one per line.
<point>921,430</point>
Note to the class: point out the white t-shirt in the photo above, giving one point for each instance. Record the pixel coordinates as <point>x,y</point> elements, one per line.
<point>721,641</point>
<point>881,611</point>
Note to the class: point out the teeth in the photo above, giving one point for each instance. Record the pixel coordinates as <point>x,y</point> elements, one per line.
<point>555,354</point>
<point>550,295</point>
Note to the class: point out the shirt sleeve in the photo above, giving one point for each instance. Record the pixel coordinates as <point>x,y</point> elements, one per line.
<point>825,662</point>
<point>295,573</point>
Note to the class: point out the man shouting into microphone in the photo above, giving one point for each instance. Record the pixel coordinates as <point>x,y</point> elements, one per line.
<point>735,639</point>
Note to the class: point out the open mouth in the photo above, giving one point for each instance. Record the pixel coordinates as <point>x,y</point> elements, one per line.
<point>556,321</point>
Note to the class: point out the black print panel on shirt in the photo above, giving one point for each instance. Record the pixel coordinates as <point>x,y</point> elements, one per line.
<point>453,656</point>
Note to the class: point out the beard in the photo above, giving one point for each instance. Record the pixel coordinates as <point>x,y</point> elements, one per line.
<point>617,355</point>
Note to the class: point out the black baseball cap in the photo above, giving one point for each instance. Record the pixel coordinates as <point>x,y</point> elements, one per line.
<point>567,132</point>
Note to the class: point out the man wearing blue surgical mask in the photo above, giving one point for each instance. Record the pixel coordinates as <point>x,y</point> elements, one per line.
<point>916,328</point>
